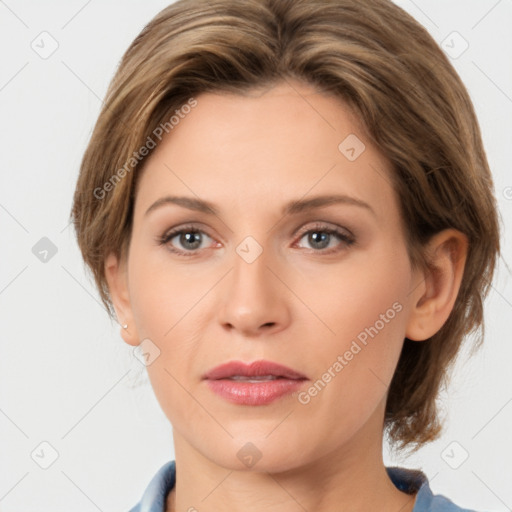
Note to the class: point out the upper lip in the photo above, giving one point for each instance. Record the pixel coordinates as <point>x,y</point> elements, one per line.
<point>254,369</point>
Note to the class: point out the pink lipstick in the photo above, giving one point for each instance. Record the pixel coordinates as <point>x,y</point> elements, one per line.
<point>257,383</point>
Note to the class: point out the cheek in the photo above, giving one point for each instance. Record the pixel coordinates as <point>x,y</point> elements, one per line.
<point>163,293</point>
<point>163,301</point>
<point>168,302</point>
<point>353,368</point>
<point>364,290</point>
<point>365,306</point>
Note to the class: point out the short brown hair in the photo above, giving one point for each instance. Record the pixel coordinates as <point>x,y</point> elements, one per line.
<point>371,55</point>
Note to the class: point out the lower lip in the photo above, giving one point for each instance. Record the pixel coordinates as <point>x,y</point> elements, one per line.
<point>254,393</point>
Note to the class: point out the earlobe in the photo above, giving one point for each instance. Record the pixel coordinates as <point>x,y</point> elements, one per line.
<point>116,276</point>
<point>434,297</point>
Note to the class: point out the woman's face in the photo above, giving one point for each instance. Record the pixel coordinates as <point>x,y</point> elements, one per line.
<point>275,274</point>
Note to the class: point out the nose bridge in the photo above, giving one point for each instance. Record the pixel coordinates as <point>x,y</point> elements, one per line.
<point>250,265</point>
<point>253,299</point>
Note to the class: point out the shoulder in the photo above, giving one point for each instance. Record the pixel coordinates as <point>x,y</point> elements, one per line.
<point>410,481</point>
<point>155,495</point>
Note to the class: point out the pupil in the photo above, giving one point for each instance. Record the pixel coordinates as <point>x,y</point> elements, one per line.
<point>192,238</point>
<point>324,236</point>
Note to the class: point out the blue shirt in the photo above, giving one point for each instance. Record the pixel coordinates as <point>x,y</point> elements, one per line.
<point>406,480</point>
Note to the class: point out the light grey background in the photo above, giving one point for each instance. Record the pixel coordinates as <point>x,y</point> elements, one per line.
<point>67,379</point>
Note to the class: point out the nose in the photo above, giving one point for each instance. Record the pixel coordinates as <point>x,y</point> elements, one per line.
<point>253,299</point>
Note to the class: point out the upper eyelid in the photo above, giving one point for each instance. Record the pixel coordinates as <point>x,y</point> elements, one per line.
<point>198,226</point>
<point>323,225</point>
<point>319,225</point>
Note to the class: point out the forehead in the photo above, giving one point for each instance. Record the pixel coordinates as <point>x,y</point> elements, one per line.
<point>272,144</point>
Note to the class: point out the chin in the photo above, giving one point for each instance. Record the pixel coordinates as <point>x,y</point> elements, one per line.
<point>255,453</point>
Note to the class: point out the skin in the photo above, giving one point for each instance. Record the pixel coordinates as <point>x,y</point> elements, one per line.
<point>295,304</point>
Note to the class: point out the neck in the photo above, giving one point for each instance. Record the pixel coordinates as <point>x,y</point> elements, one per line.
<point>352,478</point>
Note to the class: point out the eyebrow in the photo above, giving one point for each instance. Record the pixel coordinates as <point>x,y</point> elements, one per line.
<point>291,208</point>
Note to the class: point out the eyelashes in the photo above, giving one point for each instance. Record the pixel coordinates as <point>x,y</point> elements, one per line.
<point>166,238</point>
<point>191,236</point>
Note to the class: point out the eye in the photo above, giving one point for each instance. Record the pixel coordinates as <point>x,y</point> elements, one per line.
<point>188,240</point>
<point>188,237</point>
<point>322,236</point>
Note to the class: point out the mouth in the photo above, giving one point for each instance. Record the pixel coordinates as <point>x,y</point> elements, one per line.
<point>258,383</point>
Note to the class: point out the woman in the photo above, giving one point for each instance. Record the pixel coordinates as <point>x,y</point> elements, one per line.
<point>288,208</point>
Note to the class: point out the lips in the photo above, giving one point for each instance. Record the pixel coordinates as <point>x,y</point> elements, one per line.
<point>257,383</point>
<point>257,371</point>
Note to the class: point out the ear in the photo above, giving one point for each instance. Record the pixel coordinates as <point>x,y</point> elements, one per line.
<point>117,279</point>
<point>433,298</point>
